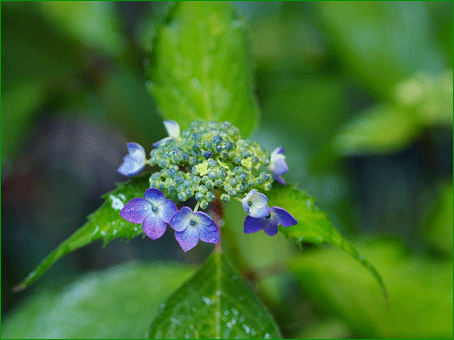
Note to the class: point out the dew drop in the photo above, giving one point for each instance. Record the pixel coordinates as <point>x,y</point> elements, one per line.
<point>246,328</point>
<point>229,325</point>
<point>117,204</point>
<point>235,312</point>
<point>174,320</point>
<point>218,293</point>
<point>208,301</point>
<point>226,312</point>
<point>267,336</point>
<point>241,298</point>
<point>235,277</point>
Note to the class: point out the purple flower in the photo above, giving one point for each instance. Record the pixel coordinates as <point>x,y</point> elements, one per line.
<point>278,166</point>
<point>133,162</point>
<point>270,223</point>
<point>191,226</point>
<point>154,212</point>
<point>256,204</point>
<point>173,129</point>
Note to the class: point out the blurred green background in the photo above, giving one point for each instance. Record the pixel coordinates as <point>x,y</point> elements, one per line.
<point>358,93</point>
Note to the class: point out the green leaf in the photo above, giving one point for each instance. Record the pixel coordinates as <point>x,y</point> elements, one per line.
<point>379,43</point>
<point>116,303</point>
<point>93,23</point>
<point>105,223</point>
<point>420,291</point>
<point>313,224</point>
<point>215,304</point>
<point>438,227</point>
<point>200,68</point>
<point>380,130</point>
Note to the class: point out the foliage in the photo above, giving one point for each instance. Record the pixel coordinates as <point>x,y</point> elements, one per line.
<point>317,65</point>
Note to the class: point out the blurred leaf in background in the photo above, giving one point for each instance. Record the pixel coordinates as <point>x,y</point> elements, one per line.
<point>116,303</point>
<point>438,227</point>
<point>383,42</point>
<point>420,291</point>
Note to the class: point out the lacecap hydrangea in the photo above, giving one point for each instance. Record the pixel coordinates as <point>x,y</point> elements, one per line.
<point>207,161</point>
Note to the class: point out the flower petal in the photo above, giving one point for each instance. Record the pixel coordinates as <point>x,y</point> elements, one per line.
<point>154,227</point>
<point>136,210</point>
<point>278,151</point>
<point>172,127</point>
<point>167,209</point>
<point>252,225</point>
<point>155,196</point>
<point>156,144</point>
<point>256,204</point>
<point>280,167</point>
<point>280,179</point>
<point>180,220</point>
<point>134,162</point>
<point>284,217</point>
<point>188,238</point>
<point>270,227</point>
<point>208,230</point>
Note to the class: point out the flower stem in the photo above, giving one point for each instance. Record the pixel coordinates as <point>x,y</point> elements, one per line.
<point>196,206</point>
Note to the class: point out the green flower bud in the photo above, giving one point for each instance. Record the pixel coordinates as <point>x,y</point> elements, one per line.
<point>203,204</point>
<point>233,192</point>
<point>225,198</point>
<point>209,185</point>
<point>210,197</point>
<point>212,175</point>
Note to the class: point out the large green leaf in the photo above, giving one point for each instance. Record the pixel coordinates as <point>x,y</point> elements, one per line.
<point>383,42</point>
<point>215,304</point>
<point>380,130</point>
<point>105,223</point>
<point>94,23</point>
<point>420,291</point>
<point>200,68</point>
<point>313,224</point>
<point>117,303</point>
<point>438,227</point>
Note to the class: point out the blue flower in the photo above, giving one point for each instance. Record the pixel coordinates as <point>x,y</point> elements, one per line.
<point>256,204</point>
<point>191,226</point>
<point>173,129</point>
<point>269,224</point>
<point>133,162</point>
<point>277,165</point>
<point>154,212</point>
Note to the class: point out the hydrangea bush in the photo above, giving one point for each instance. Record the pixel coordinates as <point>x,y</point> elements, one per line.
<point>205,165</point>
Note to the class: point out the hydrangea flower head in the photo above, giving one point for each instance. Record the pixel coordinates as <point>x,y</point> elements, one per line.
<point>173,129</point>
<point>154,212</point>
<point>256,204</point>
<point>269,224</point>
<point>278,166</point>
<point>133,162</point>
<point>190,227</point>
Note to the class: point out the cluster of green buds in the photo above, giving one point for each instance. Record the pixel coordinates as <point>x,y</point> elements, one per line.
<point>206,161</point>
<point>206,157</point>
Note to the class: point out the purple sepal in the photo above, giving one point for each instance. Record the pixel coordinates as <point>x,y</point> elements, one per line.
<point>191,226</point>
<point>277,165</point>
<point>269,224</point>
<point>154,212</point>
